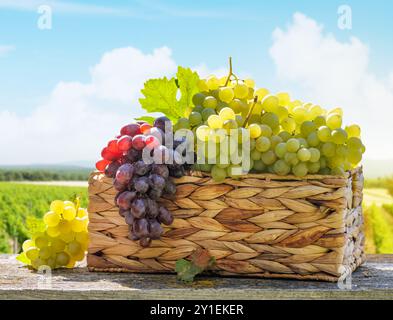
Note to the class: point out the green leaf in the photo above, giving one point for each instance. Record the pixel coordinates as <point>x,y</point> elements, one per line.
<point>160,95</point>
<point>148,119</point>
<point>22,258</point>
<point>200,261</point>
<point>187,82</point>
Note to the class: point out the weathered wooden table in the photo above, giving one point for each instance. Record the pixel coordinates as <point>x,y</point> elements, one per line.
<point>374,280</point>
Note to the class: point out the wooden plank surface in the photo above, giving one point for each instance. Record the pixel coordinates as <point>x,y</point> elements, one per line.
<point>374,280</point>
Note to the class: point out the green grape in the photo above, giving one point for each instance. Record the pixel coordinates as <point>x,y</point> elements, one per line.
<point>206,113</point>
<point>281,168</point>
<point>254,119</point>
<point>315,111</point>
<point>253,143</point>
<point>238,106</point>
<point>239,120</point>
<point>275,140</point>
<point>27,244</point>
<point>259,166</point>
<point>235,171</point>
<point>205,167</point>
<point>261,93</point>
<point>241,91</point>
<point>64,226</point>
<point>230,125</point>
<point>270,169</point>
<point>79,224</point>
<point>255,155</point>
<point>339,136</point>
<point>323,162</point>
<point>218,174</point>
<point>315,155</point>
<point>342,151</point>
<point>320,121</point>
<point>255,131</point>
<point>303,142</point>
<point>221,105</point>
<point>304,155</point>
<point>212,83</point>
<point>299,114</point>
<point>210,102</point>
<point>338,171</point>
<point>313,167</point>
<point>307,127</point>
<point>51,219</point>
<point>291,158</point>
<point>285,136</point>
<point>198,99</point>
<point>45,253</point>
<point>270,119</point>
<point>58,245</point>
<point>53,231</point>
<point>266,131</point>
<point>282,113</point>
<point>288,124</point>
<point>300,170</point>
<point>202,85</point>
<point>257,108</point>
<point>62,259</point>
<point>227,114</point>
<point>324,134</point>
<point>270,103</point>
<point>328,149</point>
<point>223,165</point>
<point>32,253</point>
<point>41,241</point>
<point>334,121</point>
<point>183,123</point>
<point>57,206</point>
<point>268,157</point>
<point>354,143</point>
<point>74,247</point>
<point>67,237</point>
<point>293,145</point>
<point>198,109</point>
<point>263,144</point>
<point>226,94</point>
<point>214,122</point>
<point>354,156</point>
<point>313,139</point>
<point>353,131</point>
<point>336,161</point>
<point>195,118</point>
<point>281,150</point>
<point>283,98</point>
<point>69,213</point>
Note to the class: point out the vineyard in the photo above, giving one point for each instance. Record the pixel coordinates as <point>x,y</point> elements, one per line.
<point>21,204</point>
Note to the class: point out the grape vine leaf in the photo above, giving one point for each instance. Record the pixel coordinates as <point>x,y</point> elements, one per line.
<point>160,95</point>
<point>200,261</point>
<point>147,118</point>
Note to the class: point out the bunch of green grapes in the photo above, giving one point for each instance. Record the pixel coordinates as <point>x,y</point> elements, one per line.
<point>285,136</point>
<point>64,240</point>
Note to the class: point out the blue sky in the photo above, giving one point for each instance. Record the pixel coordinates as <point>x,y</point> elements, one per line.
<point>197,32</point>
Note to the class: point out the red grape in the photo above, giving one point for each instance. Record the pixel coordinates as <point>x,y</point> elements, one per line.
<point>125,143</point>
<point>124,173</point>
<point>145,128</point>
<point>130,130</point>
<point>101,165</point>
<point>152,142</point>
<point>113,146</point>
<point>109,155</point>
<point>138,142</point>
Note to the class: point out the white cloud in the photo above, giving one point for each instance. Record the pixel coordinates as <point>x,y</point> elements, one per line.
<point>318,67</point>
<point>5,49</point>
<point>78,118</point>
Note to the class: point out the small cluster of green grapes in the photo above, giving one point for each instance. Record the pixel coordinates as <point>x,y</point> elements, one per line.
<point>286,136</point>
<point>64,241</point>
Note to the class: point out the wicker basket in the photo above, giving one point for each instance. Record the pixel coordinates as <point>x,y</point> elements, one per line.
<point>261,225</point>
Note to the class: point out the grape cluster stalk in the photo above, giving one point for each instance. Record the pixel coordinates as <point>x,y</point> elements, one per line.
<point>140,183</point>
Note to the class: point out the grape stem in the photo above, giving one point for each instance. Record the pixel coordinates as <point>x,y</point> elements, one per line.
<point>250,112</point>
<point>231,74</point>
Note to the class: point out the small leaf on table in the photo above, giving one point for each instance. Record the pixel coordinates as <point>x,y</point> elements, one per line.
<point>200,261</point>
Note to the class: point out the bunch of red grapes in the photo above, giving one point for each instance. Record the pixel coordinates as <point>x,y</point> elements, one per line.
<point>140,184</point>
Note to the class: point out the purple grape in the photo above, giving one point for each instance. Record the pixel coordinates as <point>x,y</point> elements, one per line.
<point>129,218</point>
<point>176,171</point>
<point>155,194</point>
<point>138,208</point>
<point>125,199</point>
<point>141,168</point>
<point>145,242</point>
<point>134,155</point>
<point>170,188</point>
<point>160,123</point>
<point>155,229</point>
<point>141,184</point>
<point>124,173</point>
<point>156,182</point>
<point>131,235</point>
<point>140,228</point>
<point>123,212</point>
<point>165,216</point>
<point>111,169</point>
<point>119,186</point>
<point>151,208</point>
<point>160,169</point>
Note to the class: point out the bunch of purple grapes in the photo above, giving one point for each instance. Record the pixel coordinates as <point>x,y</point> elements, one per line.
<point>140,184</point>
